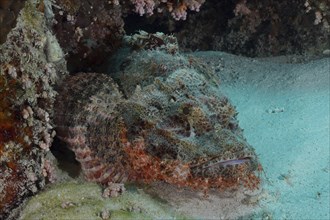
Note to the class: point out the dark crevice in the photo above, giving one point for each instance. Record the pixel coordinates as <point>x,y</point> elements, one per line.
<point>65,158</point>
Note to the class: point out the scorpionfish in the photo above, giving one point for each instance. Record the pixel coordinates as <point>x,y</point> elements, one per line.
<point>160,117</point>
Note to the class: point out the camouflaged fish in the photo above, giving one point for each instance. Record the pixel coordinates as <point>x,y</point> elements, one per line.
<point>165,120</point>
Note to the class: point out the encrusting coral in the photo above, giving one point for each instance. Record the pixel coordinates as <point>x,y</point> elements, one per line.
<point>164,123</point>
<point>27,77</point>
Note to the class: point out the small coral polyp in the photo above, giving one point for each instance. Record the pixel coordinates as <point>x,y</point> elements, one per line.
<point>11,124</point>
<point>177,9</point>
<point>174,127</point>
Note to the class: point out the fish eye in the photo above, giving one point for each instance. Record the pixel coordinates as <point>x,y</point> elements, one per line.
<point>186,110</point>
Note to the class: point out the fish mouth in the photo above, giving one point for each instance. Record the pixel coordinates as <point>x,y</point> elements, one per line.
<point>219,167</point>
<point>230,162</point>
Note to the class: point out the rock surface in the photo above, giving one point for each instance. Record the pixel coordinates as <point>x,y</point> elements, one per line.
<point>74,200</point>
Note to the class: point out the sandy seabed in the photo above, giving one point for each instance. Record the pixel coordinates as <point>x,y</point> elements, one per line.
<point>283,106</point>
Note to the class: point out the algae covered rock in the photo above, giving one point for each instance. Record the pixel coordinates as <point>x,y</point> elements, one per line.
<point>75,200</point>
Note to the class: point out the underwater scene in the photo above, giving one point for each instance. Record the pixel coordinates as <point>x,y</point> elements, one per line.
<point>165,109</point>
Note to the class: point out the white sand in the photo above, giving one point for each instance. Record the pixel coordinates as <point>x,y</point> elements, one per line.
<point>284,110</point>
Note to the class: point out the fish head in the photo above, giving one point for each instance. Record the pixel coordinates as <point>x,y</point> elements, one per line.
<point>184,120</point>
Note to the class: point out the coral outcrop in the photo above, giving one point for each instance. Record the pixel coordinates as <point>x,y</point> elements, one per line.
<point>27,77</point>
<point>91,31</point>
<point>259,28</point>
<point>251,28</point>
<point>165,122</point>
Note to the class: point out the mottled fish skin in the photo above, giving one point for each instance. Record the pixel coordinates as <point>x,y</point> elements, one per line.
<point>88,120</point>
<point>179,116</point>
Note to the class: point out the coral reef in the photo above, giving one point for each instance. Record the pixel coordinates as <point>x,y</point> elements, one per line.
<point>27,95</point>
<point>169,125</point>
<point>96,28</point>
<point>286,32</point>
<point>251,28</point>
